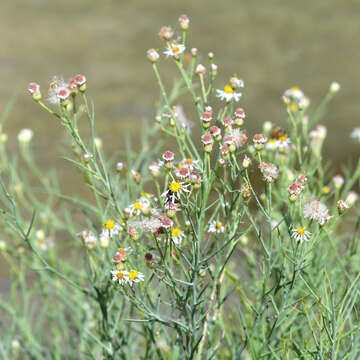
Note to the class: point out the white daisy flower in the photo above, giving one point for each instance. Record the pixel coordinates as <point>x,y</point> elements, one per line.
<point>122,277</point>
<point>112,228</point>
<point>175,190</point>
<point>228,94</point>
<point>300,234</point>
<point>315,210</point>
<point>269,171</point>
<point>189,163</point>
<point>174,50</point>
<point>140,206</point>
<point>134,276</point>
<point>177,236</point>
<point>216,227</point>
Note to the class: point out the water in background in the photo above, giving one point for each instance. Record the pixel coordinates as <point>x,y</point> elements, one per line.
<point>272,45</point>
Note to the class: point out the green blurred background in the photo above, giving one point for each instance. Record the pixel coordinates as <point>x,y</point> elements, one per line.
<point>272,45</point>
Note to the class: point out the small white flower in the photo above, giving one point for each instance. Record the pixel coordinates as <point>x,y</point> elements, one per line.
<point>177,236</point>
<point>134,276</point>
<point>216,227</point>
<point>175,190</point>
<point>228,94</point>
<point>174,50</point>
<point>300,234</point>
<point>122,277</point>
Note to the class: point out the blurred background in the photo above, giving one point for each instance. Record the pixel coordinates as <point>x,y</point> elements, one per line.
<point>272,45</point>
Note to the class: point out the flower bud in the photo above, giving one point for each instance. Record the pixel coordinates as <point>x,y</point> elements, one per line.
<point>246,162</point>
<point>25,135</point>
<point>210,55</point>
<point>338,181</point>
<point>152,55</point>
<point>334,87</point>
<point>194,52</point>
<point>184,22</point>
<point>352,198</point>
<point>200,70</point>
<point>166,33</point>
<point>119,166</point>
<point>34,90</point>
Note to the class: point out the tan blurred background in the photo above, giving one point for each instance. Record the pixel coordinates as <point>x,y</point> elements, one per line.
<point>272,45</point>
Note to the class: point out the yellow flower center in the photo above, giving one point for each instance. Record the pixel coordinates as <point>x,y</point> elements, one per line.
<point>175,186</point>
<point>326,190</point>
<point>301,230</point>
<point>283,137</point>
<point>109,224</point>
<point>175,48</point>
<point>120,275</point>
<point>228,89</point>
<point>133,274</point>
<point>188,161</point>
<point>180,166</point>
<point>219,225</point>
<point>137,205</point>
<point>175,232</point>
<point>122,251</point>
<point>272,142</point>
<point>294,88</point>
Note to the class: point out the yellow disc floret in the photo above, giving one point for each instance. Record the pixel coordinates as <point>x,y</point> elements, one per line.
<point>120,275</point>
<point>301,230</point>
<point>109,224</point>
<point>175,232</point>
<point>175,186</point>
<point>228,89</point>
<point>133,274</point>
<point>137,205</point>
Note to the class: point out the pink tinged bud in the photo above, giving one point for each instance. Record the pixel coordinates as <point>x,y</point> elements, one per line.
<point>227,121</point>
<point>206,139</point>
<point>194,51</point>
<point>72,85</point>
<point>34,88</point>
<point>166,222</point>
<point>206,117</point>
<point>224,151</point>
<point>119,166</point>
<point>168,156</point>
<point>352,198</point>
<point>239,113</point>
<point>295,188</point>
<point>214,69</point>
<point>149,259</point>
<point>166,33</point>
<point>184,172</point>
<point>259,139</point>
<point>133,233</point>
<point>80,79</point>
<point>338,181</point>
<point>63,93</point>
<point>228,140</point>
<point>200,70</point>
<point>184,22</point>
<point>246,162</point>
<point>209,109</point>
<point>215,132</point>
<point>153,55</point>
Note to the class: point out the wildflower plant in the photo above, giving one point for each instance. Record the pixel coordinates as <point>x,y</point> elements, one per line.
<point>200,246</point>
